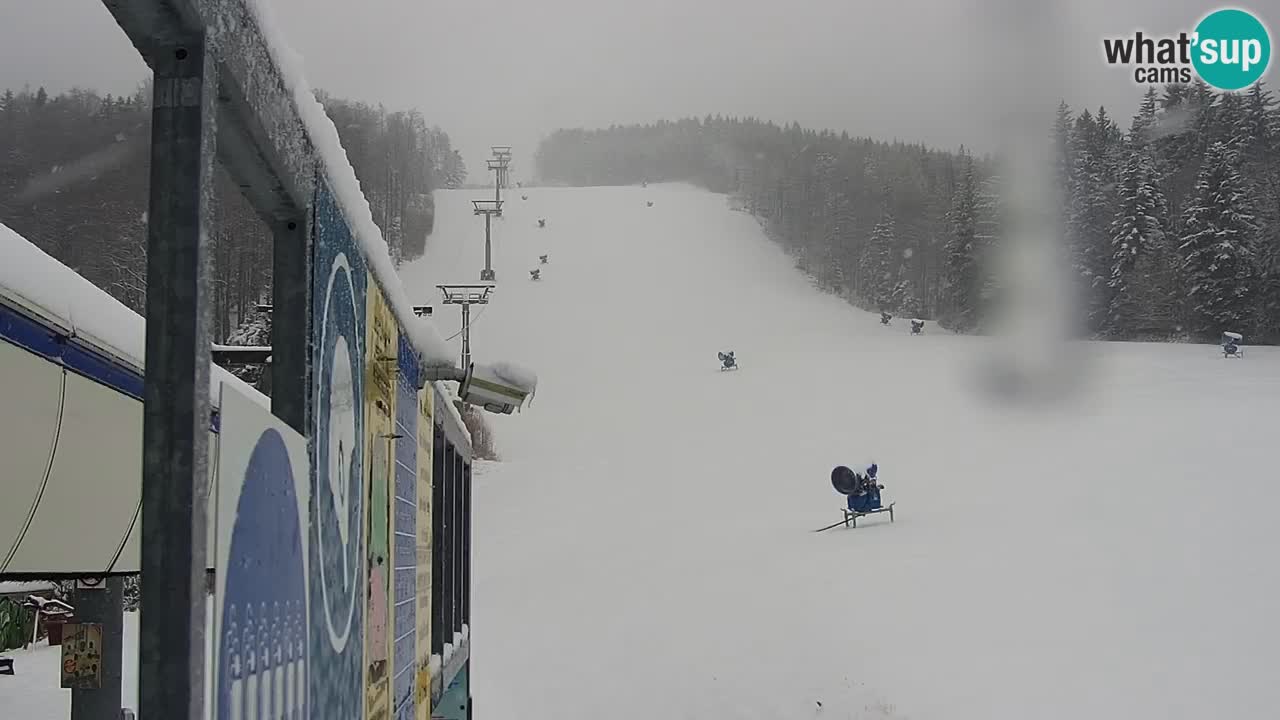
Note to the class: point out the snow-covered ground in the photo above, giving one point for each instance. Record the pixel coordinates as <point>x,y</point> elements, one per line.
<point>644,550</point>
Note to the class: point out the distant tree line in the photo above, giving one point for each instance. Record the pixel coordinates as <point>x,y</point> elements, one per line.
<point>1173,228</point>
<point>73,180</point>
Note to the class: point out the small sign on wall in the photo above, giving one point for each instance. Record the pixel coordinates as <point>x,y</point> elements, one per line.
<point>82,656</point>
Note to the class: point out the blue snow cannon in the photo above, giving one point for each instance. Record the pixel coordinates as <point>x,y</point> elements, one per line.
<point>862,495</point>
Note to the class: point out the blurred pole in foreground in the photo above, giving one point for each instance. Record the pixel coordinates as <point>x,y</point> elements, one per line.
<point>1032,312</point>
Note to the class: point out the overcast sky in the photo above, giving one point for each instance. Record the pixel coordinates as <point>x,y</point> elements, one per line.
<point>509,71</point>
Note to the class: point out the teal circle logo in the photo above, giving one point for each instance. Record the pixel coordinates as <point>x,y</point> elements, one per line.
<point>1232,49</point>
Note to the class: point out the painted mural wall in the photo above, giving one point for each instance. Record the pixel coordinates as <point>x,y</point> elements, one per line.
<point>337,582</point>
<point>323,601</point>
<point>379,399</point>
<point>260,597</point>
<point>424,440</point>
<point>404,537</point>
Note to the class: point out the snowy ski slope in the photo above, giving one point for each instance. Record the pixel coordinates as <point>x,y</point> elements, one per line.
<point>644,549</point>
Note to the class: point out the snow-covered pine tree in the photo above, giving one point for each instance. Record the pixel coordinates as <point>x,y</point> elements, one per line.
<point>962,272</point>
<point>1091,211</point>
<point>1219,246</point>
<point>904,298</point>
<point>1138,273</point>
<point>880,264</point>
<point>841,240</point>
<point>1062,154</point>
<point>254,330</point>
<point>1142,130</point>
<point>1260,165</point>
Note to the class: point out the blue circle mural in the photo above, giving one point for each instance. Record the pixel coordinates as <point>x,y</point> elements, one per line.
<point>262,640</point>
<point>338,497</point>
<point>336,569</point>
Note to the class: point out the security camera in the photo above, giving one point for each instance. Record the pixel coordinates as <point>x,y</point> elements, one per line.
<point>498,388</point>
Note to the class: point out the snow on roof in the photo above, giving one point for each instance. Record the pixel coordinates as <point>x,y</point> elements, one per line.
<point>60,296</point>
<point>516,375</point>
<point>452,395</point>
<point>355,206</point>
<point>13,587</point>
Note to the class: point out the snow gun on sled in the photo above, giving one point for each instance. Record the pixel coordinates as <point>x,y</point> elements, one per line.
<point>885,318</point>
<point>1231,345</point>
<point>727,361</point>
<point>862,492</point>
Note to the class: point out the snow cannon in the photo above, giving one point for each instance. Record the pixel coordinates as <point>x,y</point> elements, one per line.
<point>542,222</point>
<point>885,318</point>
<point>862,496</point>
<point>535,274</point>
<point>844,480</point>
<point>542,259</point>
<point>727,361</point>
<point>1231,345</point>
<point>524,197</point>
<point>499,388</point>
<point>917,326</point>
<point>650,203</point>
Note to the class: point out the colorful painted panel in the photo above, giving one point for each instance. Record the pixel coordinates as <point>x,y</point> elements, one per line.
<point>260,598</point>
<point>404,515</point>
<point>82,656</point>
<point>380,371</point>
<point>424,439</point>
<point>336,571</point>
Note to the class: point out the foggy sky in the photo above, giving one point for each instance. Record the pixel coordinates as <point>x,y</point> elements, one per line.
<point>508,71</point>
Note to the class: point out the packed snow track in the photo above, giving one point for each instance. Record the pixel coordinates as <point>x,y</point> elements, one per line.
<point>644,549</point>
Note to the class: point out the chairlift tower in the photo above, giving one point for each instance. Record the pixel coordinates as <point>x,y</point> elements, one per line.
<point>466,296</point>
<point>499,168</point>
<point>488,208</point>
<point>502,153</point>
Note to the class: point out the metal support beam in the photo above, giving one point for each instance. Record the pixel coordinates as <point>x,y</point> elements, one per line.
<point>104,605</point>
<point>261,138</point>
<point>439,549</point>
<point>466,336</point>
<point>175,428</point>
<point>467,553</point>
<point>233,355</point>
<point>291,324</point>
<point>458,531</point>
<point>488,273</point>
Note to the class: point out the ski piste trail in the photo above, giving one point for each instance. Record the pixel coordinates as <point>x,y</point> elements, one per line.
<point>644,549</point>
